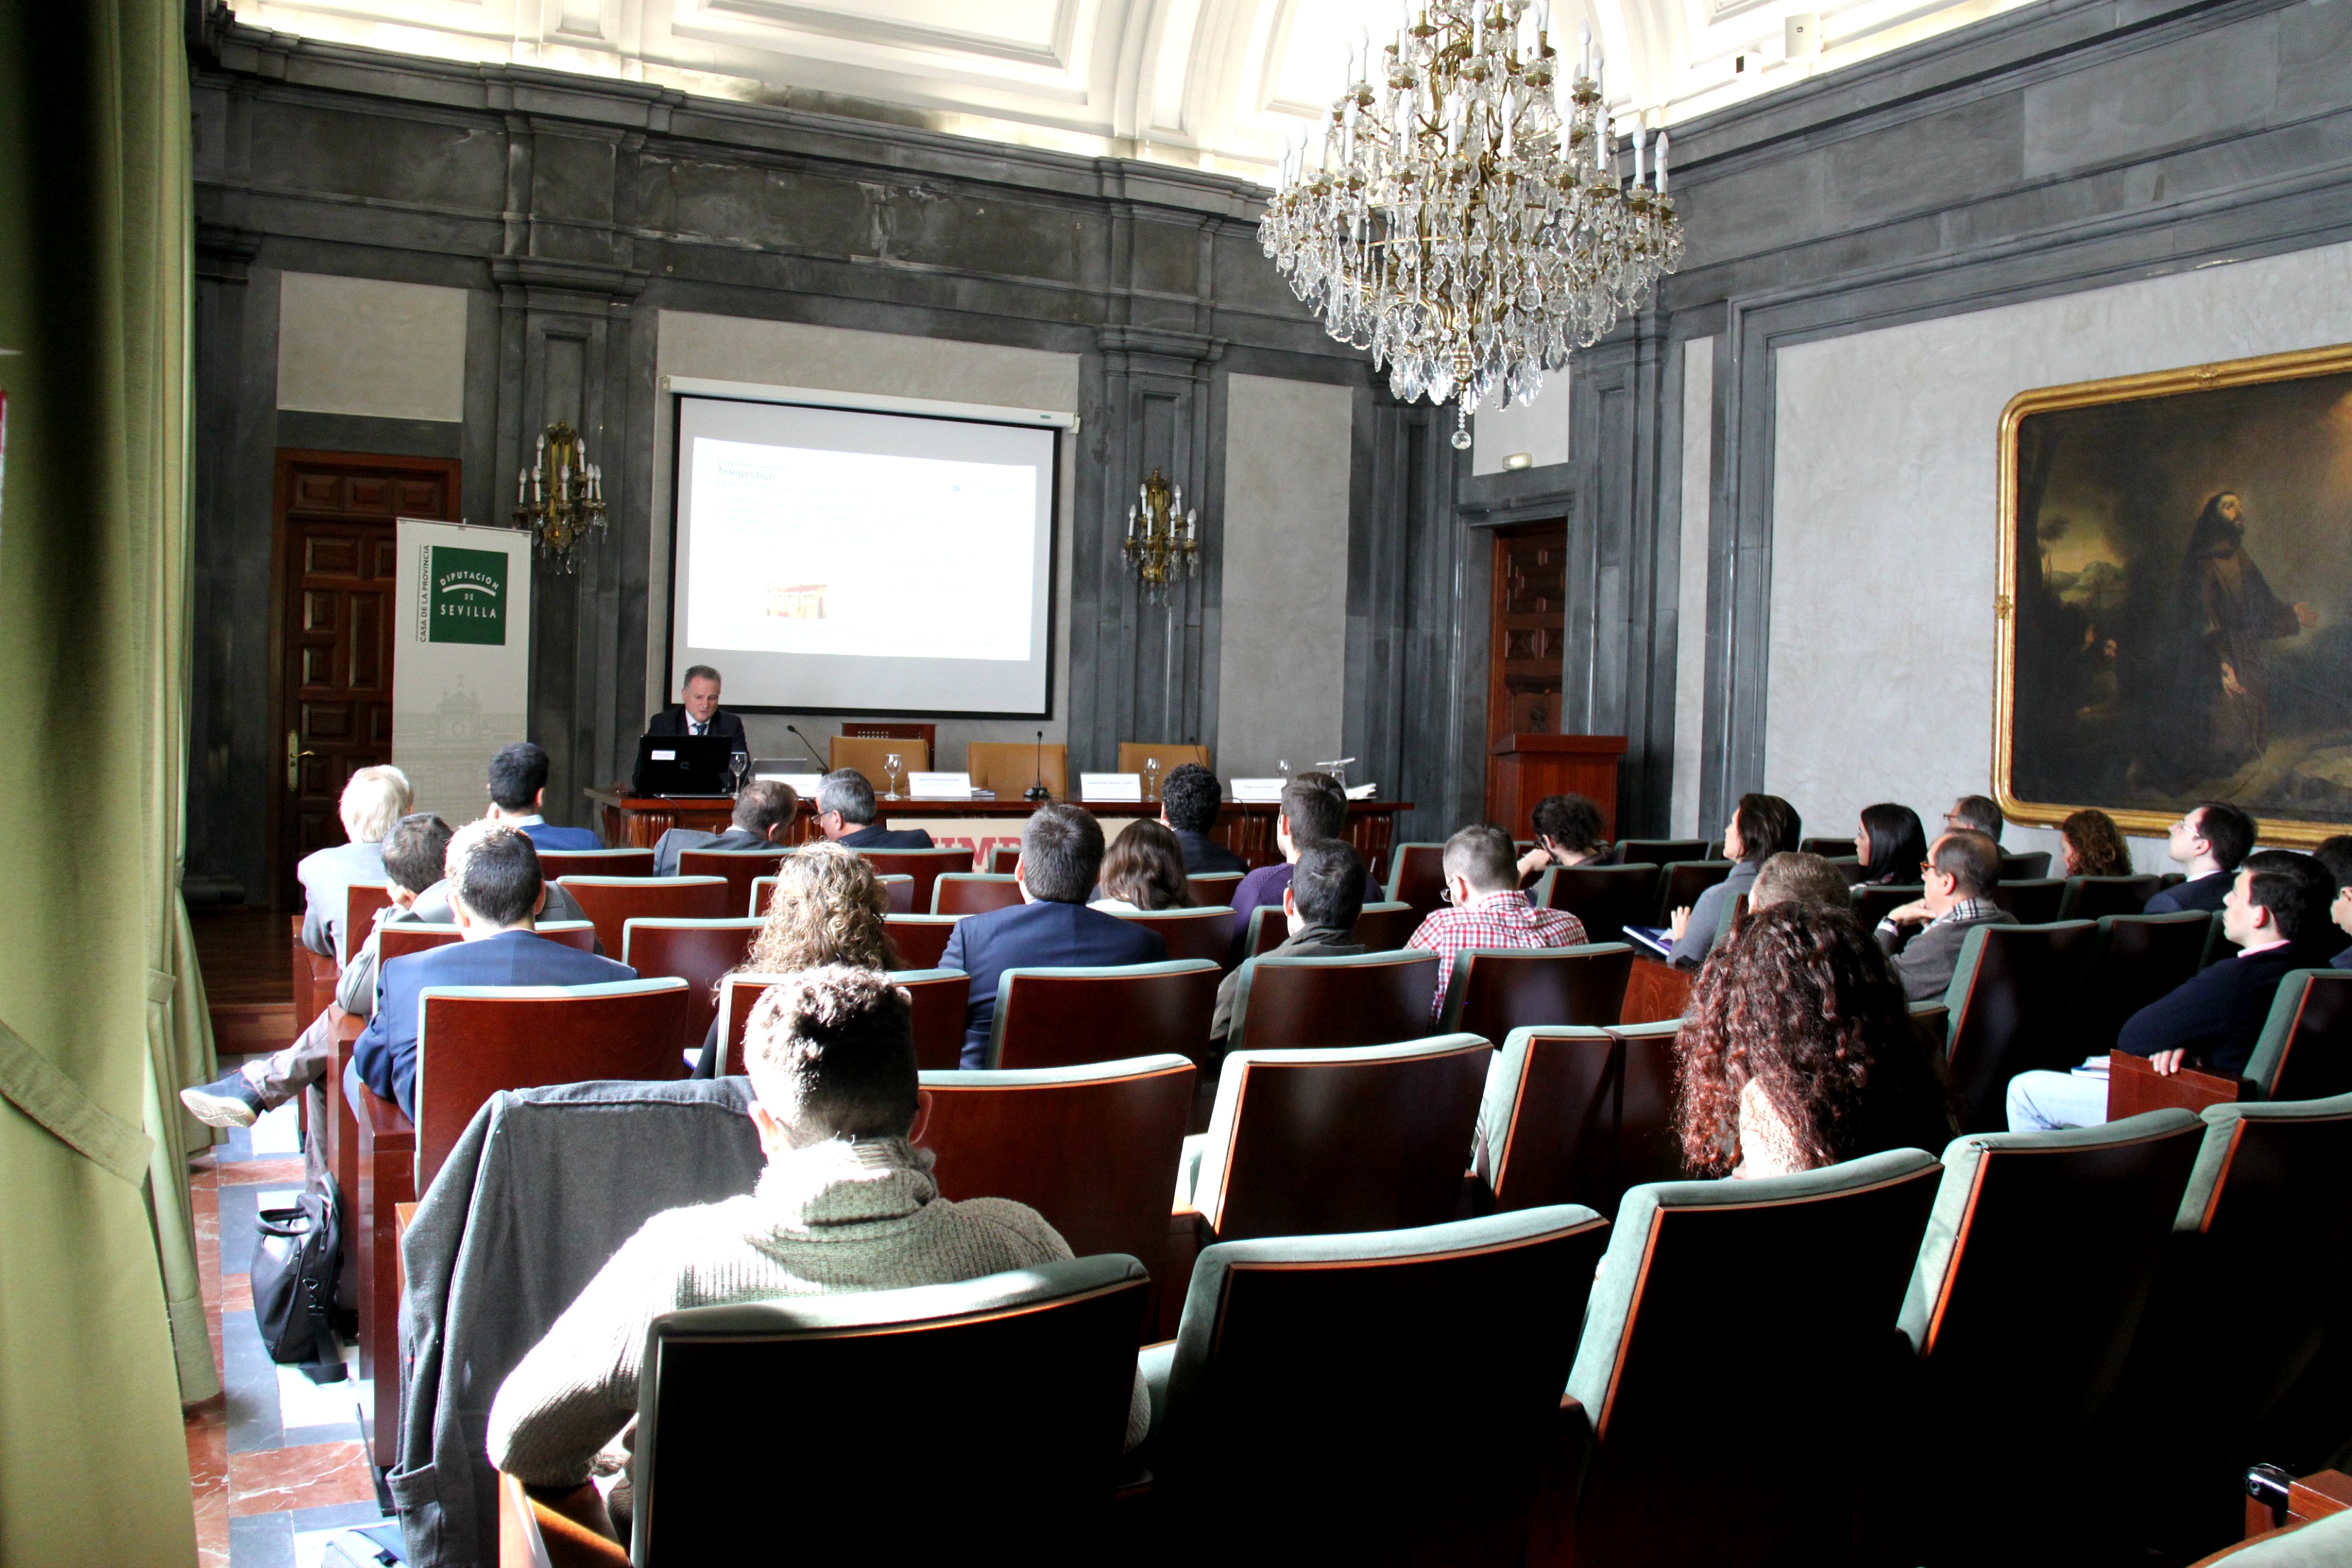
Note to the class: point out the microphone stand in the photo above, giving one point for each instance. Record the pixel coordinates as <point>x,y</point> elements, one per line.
<point>822,765</point>
<point>1038,791</point>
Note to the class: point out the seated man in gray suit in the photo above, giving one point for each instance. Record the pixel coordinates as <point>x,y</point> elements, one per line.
<point>1962,869</point>
<point>763,820</point>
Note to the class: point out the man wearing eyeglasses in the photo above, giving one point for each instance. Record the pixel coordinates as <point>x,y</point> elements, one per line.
<point>1959,875</point>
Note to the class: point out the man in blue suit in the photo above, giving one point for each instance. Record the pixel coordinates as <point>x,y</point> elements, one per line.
<point>495,895</point>
<point>519,791</point>
<point>1061,850</point>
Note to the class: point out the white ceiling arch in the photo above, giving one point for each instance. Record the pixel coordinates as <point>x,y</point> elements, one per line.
<point>1215,84</point>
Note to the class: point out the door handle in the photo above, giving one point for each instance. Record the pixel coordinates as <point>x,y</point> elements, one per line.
<point>294,755</point>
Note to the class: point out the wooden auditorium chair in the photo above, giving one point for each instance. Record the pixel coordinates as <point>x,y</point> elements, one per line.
<point>1494,990</point>
<point>1817,1263</point>
<point>740,868</point>
<point>1649,1141</point>
<point>1369,1398</point>
<point>1607,898</point>
<point>925,865</point>
<point>697,952</point>
<point>1680,882</point>
<point>2305,1052</point>
<point>1657,851</point>
<point>1872,902</point>
<point>2089,898</point>
<point>398,939</point>
<point>1050,1017</point>
<point>1417,879</point>
<point>1134,754</point>
<point>974,893</point>
<point>361,901</point>
<point>898,886</point>
<point>1002,859</point>
<point>622,862</point>
<point>2024,866</point>
<point>1386,926</point>
<point>1309,1143</point>
<point>2011,988</point>
<point>1312,1003</point>
<point>1011,768</point>
<point>2135,959</point>
<point>1211,889</point>
<point>2032,901</point>
<point>1547,1129</point>
<point>921,940</point>
<point>870,753</point>
<point>1850,867</point>
<point>939,998</point>
<point>613,902</point>
<point>1191,933</point>
<point>1827,848</point>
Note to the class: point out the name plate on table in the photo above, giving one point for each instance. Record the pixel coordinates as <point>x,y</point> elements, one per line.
<point>1259,789</point>
<point>939,787</point>
<point>803,785</point>
<point>1110,786</point>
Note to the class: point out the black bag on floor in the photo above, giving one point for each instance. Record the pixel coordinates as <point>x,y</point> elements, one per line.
<point>294,1267</point>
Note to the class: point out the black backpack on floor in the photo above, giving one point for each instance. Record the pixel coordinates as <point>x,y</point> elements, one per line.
<point>294,1267</point>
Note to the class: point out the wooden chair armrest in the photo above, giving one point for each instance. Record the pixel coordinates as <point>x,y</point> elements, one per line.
<point>2134,1086</point>
<point>383,1126</point>
<point>542,1528</point>
<point>2319,1494</point>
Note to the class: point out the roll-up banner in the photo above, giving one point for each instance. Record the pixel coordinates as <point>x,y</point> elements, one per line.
<point>461,679</point>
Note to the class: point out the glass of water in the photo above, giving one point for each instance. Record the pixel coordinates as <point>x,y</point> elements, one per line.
<point>739,764</point>
<point>891,765</point>
<point>1151,778</point>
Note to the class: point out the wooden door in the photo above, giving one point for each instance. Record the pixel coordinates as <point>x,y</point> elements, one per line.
<point>336,547</point>
<point>1525,622</point>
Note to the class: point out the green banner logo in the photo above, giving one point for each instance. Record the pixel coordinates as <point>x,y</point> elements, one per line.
<point>465,594</point>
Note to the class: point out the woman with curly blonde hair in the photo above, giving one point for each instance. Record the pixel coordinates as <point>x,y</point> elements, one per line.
<point>828,907</point>
<point>1799,1052</point>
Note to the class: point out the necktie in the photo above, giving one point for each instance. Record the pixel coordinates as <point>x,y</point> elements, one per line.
<point>700,727</point>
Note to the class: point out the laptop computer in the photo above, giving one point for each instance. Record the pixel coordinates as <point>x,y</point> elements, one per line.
<point>682,765</point>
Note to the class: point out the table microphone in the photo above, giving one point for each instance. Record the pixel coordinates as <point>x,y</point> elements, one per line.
<point>822,765</point>
<point>1038,791</point>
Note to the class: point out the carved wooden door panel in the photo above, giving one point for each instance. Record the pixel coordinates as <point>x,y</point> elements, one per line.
<point>1527,621</point>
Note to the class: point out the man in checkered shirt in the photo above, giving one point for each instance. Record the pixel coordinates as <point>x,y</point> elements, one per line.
<point>1481,883</point>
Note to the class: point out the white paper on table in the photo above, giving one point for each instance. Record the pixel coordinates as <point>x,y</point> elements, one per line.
<point>939,787</point>
<point>1363,792</point>
<point>1110,786</point>
<point>1259,789</point>
<point>803,785</point>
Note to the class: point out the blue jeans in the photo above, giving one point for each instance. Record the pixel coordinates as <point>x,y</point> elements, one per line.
<point>2039,1101</point>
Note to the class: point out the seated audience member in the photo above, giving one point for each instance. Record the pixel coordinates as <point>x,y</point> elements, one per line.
<point>1760,827</point>
<point>1568,833</point>
<point>1061,854</point>
<point>1189,799</point>
<point>1960,873</point>
<point>494,896</point>
<point>413,855</point>
<point>1143,871</point>
<point>846,1203</point>
<point>763,820</point>
<point>1314,808</point>
<point>2276,911</point>
<point>1890,842</point>
<point>1798,1052</point>
<point>1976,813</point>
<point>519,795</point>
<point>1794,877</point>
<point>828,906</point>
<point>1321,901</point>
<point>845,813</point>
<point>1481,883</point>
<point>373,799</point>
<point>2090,845</point>
<point>2209,843</point>
<point>2335,855</point>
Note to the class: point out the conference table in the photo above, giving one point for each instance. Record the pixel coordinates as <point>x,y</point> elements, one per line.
<point>1246,828</point>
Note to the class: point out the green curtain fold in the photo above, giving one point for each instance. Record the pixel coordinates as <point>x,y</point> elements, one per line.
<point>102,1003</point>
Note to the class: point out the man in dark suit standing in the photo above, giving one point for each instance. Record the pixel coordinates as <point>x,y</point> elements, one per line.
<point>2209,843</point>
<point>763,820</point>
<point>496,894</point>
<point>1061,851</point>
<point>699,714</point>
<point>519,794</point>
<point>845,813</point>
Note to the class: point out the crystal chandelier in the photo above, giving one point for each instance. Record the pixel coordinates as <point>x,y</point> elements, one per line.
<point>1166,543</point>
<point>1463,220</point>
<point>561,497</point>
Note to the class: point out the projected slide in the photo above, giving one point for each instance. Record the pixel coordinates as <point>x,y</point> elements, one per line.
<point>839,559</point>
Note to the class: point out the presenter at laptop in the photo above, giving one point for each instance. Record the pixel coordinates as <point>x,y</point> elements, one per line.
<point>700,714</point>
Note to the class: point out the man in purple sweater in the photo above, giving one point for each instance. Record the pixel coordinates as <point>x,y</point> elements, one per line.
<point>1313,807</point>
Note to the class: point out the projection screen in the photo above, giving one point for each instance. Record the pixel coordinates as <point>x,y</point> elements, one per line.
<point>846,560</point>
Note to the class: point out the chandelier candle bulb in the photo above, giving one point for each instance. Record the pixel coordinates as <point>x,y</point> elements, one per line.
<point>1661,163</point>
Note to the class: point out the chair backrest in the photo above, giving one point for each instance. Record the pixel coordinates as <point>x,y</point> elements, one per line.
<point>1386,926</point>
<point>1680,882</point>
<point>697,952</point>
<point>1607,898</point>
<point>925,865</point>
<point>1268,1398</point>
<point>2025,865</point>
<point>1367,1138</point>
<point>1210,889</point>
<point>1494,989</point>
<point>623,862</point>
<point>2035,1234</point>
<point>1191,933</point>
<point>974,893</point>
<point>1002,858</point>
<point>1011,767</point>
<point>475,1040</point>
<point>1417,878</point>
<point>740,868</point>
<point>2218,945</point>
<point>2136,959</point>
<point>1024,1377</point>
<point>1649,1140</point>
<point>2088,898</point>
<point>2008,998</point>
<point>1062,1017</point>
<point>868,754</point>
<point>1133,754</point>
<point>1850,867</point>
<point>1309,1003</point>
<point>1873,903</point>
<point>1547,1123</point>
<point>613,902</point>
<point>2033,900</point>
<point>1268,928</point>
<point>361,901</point>
<point>1094,1149</point>
<point>941,998</point>
<point>1827,848</point>
<point>401,938</point>
<point>2304,1051</point>
<point>1659,851</point>
<point>921,940</point>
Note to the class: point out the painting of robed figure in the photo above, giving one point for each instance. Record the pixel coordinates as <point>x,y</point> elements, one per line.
<point>2176,609</point>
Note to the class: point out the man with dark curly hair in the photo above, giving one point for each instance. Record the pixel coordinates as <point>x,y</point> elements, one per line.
<point>1189,799</point>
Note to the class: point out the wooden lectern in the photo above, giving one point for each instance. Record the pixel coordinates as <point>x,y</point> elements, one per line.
<point>1526,768</point>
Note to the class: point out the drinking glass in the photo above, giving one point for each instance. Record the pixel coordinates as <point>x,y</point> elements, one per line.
<point>1151,778</point>
<point>890,766</point>
<point>1282,768</point>
<point>739,764</point>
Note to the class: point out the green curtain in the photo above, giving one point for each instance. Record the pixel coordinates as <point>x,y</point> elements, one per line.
<point>102,1012</point>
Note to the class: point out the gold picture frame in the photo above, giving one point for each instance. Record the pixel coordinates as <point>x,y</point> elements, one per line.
<point>2110,402</point>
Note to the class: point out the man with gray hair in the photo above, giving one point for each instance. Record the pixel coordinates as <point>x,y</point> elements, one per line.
<point>698,711</point>
<point>845,813</point>
<point>373,799</point>
<point>763,820</point>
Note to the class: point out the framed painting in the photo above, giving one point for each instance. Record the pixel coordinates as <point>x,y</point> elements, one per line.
<point>2176,596</point>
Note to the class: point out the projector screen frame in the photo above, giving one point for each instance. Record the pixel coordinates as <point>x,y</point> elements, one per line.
<point>680,388</point>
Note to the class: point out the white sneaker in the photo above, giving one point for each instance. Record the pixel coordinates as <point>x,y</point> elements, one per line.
<point>229,1102</point>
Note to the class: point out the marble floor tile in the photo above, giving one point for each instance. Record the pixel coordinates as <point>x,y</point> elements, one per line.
<point>277,1480</point>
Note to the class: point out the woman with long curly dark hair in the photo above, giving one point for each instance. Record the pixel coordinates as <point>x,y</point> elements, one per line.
<point>2093,846</point>
<point>1799,1052</point>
